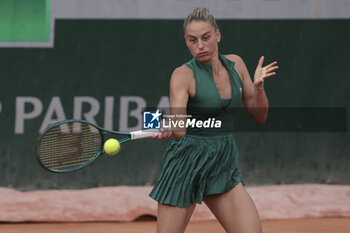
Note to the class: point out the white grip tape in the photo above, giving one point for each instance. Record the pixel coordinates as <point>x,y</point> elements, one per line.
<point>143,133</point>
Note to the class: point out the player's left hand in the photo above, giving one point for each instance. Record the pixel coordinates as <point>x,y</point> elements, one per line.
<point>261,73</point>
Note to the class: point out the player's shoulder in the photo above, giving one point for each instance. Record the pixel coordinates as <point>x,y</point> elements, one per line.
<point>182,70</point>
<point>182,74</point>
<point>239,66</point>
<point>235,58</point>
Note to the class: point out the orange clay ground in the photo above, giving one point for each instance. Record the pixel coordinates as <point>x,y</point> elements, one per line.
<point>320,225</point>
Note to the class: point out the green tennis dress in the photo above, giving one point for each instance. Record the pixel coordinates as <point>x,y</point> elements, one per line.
<point>204,161</point>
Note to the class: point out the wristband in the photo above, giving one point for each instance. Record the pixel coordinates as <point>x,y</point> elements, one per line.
<point>259,88</point>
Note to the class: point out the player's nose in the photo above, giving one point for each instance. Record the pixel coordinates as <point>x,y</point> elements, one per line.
<point>200,44</point>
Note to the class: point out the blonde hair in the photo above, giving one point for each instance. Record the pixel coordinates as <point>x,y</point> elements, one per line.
<point>200,14</point>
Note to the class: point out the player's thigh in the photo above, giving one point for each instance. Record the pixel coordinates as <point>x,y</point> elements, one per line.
<point>235,210</point>
<point>172,219</point>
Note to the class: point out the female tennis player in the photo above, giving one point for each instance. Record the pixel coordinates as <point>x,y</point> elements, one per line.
<point>201,165</point>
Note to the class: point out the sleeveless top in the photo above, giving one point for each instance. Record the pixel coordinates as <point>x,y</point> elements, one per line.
<point>207,104</point>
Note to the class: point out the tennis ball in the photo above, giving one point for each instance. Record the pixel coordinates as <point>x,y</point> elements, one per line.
<point>111,146</point>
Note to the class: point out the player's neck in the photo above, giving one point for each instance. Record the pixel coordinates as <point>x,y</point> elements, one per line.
<point>216,64</point>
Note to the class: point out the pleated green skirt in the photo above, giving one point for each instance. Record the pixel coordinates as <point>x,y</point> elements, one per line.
<point>195,167</point>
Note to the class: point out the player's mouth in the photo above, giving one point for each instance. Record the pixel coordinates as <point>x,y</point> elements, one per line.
<point>202,54</point>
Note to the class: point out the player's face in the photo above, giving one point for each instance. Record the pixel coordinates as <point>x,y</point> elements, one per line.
<point>202,40</point>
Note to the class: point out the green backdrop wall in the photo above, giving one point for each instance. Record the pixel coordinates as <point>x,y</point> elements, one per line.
<point>105,62</point>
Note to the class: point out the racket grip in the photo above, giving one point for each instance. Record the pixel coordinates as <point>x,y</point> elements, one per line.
<point>144,133</point>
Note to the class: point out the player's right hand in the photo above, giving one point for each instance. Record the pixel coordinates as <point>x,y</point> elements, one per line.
<point>163,134</point>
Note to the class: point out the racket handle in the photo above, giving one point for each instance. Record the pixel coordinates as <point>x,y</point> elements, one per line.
<point>144,133</point>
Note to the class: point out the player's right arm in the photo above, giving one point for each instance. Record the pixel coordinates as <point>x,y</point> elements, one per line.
<point>181,88</point>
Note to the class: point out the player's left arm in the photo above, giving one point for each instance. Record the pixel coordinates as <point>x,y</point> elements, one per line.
<point>253,92</point>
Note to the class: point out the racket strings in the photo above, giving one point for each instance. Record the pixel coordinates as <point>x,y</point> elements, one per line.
<point>69,145</point>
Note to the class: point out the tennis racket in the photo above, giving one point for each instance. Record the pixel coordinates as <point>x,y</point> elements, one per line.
<point>70,145</point>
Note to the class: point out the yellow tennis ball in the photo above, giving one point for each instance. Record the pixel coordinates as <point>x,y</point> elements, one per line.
<point>111,146</point>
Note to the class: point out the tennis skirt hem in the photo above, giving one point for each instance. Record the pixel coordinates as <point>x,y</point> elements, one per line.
<point>199,201</point>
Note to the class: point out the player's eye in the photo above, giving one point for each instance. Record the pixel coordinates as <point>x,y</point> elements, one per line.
<point>205,38</point>
<point>193,40</point>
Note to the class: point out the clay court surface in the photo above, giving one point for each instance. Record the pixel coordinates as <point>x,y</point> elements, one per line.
<point>293,208</point>
<point>319,225</point>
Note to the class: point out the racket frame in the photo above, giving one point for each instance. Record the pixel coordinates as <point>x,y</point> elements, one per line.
<point>101,151</point>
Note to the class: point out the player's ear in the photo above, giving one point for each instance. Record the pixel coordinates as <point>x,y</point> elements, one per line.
<point>218,35</point>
